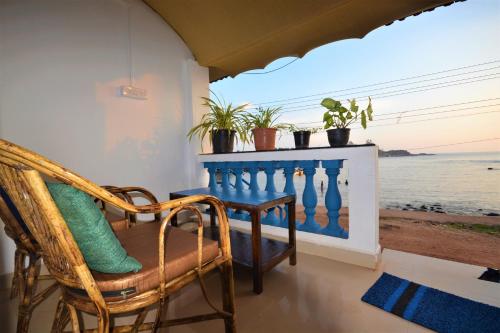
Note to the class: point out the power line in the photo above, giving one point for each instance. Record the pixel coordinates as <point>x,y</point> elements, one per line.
<point>273,70</point>
<point>390,94</point>
<point>454,144</point>
<point>429,119</point>
<point>415,115</point>
<point>411,89</point>
<point>399,85</point>
<point>438,118</point>
<point>381,83</point>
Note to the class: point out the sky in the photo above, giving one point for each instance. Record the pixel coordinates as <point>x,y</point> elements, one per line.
<point>465,34</point>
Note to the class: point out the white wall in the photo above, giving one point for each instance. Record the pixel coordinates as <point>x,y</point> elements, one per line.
<point>61,63</point>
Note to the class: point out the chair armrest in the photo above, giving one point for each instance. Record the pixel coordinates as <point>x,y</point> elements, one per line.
<point>187,204</point>
<point>127,192</point>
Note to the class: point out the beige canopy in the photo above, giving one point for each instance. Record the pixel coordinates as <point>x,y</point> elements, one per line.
<point>233,36</point>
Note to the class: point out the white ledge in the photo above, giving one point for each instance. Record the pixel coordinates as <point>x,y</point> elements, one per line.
<point>322,153</point>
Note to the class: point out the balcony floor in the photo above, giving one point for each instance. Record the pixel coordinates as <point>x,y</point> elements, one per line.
<point>317,295</point>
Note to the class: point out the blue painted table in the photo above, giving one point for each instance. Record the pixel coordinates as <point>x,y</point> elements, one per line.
<point>265,253</point>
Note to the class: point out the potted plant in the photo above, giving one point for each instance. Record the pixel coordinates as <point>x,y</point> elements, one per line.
<point>339,117</point>
<point>301,136</point>
<point>262,124</point>
<point>222,123</point>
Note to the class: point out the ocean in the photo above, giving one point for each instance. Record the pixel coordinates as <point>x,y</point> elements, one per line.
<point>455,183</point>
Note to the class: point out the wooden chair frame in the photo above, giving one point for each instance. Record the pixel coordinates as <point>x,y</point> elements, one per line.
<point>26,274</point>
<point>20,175</point>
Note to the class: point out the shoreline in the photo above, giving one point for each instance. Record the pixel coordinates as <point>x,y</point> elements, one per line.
<point>438,235</point>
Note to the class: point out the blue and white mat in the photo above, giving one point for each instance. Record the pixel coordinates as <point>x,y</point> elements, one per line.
<point>432,308</point>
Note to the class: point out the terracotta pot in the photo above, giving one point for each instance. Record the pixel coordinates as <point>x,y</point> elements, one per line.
<point>264,138</point>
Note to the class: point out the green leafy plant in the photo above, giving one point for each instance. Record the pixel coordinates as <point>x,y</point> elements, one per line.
<point>339,116</point>
<point>265,118</point>
<point>221,116</point>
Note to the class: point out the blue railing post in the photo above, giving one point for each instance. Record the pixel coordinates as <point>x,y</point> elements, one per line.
<point>333,200</point>
<point>237,169</point>
<point>212,169</point>
<point>288,171</point>
<point>309,197</point>
<point>253,170</point>
<point>270,169</point>
<point>224,169</point>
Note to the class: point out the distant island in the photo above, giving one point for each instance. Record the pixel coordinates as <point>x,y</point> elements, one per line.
<point>398,153</point>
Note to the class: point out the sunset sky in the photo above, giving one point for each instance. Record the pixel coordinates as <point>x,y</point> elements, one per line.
<point>465,34</point>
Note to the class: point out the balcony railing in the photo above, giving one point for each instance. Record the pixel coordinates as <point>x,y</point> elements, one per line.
<point>239,171</point>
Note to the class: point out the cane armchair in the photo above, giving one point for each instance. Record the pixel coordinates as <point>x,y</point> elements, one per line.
<point>181,257</point>
<point>26,273</point>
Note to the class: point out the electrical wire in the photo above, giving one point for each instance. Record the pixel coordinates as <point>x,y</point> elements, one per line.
<point>405,91</point>
<point>454,144</point>
<point>273,70</point>
<point>414,115</point>
<point>392,94</point>
<point>427,119</point>
<point>403,84</point>
<point>380,83</point>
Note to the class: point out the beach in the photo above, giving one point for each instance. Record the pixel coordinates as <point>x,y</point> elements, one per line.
<point>438,235</point>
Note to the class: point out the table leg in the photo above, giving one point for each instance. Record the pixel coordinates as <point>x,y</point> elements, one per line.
<point>291,233</point>
<point>173,221</point>
<point>256,252</point>
<point>212,216</point>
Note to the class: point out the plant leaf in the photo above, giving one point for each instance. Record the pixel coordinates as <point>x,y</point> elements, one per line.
<point>329,103</point>
<point>363,119</point>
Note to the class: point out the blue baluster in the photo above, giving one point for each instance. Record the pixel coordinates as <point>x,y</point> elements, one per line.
<point>333,200</point>
<point>288,171</point>
<point>270,169</point>
<point>237,169</point>
<point>225,177</point>
<point>238,172</point>
<point>212,169</point>
<point>253,170</point>
<point>309,198</point>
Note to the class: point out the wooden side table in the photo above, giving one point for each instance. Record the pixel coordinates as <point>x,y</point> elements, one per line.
<point>265,253</point>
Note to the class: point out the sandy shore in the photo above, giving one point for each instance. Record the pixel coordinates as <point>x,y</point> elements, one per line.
<point>430,234</point>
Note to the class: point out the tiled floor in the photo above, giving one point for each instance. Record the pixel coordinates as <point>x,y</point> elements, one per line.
<point>317,295</point>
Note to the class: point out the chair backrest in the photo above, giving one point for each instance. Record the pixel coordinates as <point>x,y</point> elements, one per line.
<point>21,177</point>
<point>15,227</point>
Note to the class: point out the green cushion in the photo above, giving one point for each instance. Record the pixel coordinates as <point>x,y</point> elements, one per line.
<point>93,234</point>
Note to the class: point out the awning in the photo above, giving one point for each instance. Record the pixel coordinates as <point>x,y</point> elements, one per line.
<point>233,36</point>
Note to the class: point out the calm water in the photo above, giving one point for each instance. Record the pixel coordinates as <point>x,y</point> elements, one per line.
<point>460,182</point>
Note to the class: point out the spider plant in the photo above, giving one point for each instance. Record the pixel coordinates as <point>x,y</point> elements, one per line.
<point>263,125</point>
<point>221,116</point>
<point>265,118</point>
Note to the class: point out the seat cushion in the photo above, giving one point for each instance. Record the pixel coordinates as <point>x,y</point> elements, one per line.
<point>97,242</point>
<point>141,242</point>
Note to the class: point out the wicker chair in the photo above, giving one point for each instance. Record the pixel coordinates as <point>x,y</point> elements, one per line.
<point>171,258</point>
<point>26,277</point>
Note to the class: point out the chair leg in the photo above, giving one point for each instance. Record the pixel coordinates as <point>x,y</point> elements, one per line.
<point>29,286</point>
<point>61,317</point>
<point>75,321</point>
<point>18,273</point>
<point>228,296</point>
<point>162,309</point>
<point>103,322</point>
<point>139,320</point>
